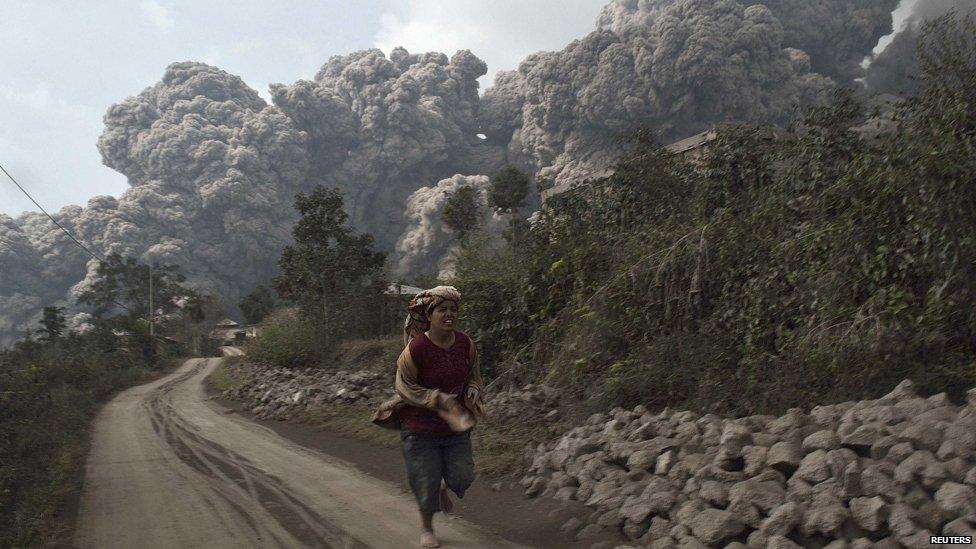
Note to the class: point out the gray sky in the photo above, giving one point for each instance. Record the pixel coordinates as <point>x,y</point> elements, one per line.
<point>62,64</point>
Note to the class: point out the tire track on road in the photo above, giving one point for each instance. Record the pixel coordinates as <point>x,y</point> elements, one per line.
<point>234,478</point>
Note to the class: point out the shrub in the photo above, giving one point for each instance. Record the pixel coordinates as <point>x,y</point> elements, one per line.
<point>291,340</point>
<point>49,394</point>
<point>783,267</point>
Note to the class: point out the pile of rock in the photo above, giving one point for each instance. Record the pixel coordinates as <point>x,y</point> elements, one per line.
<point>888,472</point>
<point>282,393</point>
<point>532,400</point>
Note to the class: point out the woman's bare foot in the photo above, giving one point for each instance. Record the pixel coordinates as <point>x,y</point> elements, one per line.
<point>447,505</point>
<point>427,539</point>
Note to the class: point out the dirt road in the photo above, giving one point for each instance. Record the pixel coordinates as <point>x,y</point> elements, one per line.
<point>167,469</point>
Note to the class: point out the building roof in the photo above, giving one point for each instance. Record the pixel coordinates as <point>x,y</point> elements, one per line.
<point>692,142</point>
<point>402,289</point>
<point>227,323</point>
<point>224,333</point>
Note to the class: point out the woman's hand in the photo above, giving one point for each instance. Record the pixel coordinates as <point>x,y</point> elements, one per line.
<point>453,413</point>
<point>446,402</point>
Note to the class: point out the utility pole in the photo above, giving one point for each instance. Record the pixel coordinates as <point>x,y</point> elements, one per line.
<point>151,330</point>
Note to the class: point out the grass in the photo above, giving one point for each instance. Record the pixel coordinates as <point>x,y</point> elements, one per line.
<point>374,355</point>
<point>222,378</point>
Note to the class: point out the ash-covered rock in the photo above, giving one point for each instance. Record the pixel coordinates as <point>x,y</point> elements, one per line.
<point>282,393</point>
<point>890,471</point>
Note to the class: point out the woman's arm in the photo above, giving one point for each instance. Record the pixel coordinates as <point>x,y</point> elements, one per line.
<point>474,394</point>
<point>409,389</point>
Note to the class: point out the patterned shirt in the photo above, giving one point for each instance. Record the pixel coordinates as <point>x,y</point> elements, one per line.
<point>437,368</point>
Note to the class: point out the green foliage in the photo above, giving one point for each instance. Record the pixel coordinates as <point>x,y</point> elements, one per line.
<point>291,340</point>
<point>375,355</point>
<point>49,393</point>
<point>779,269</point>
<point>462,211</point>
<point>223,377</point>
<point>509,187</point>
<point>332,274</point>
<point>52,323</point>
<point>258,304</point>
<point>490,279</point>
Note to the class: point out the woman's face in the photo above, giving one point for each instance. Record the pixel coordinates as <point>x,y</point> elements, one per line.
<point>444,316</point>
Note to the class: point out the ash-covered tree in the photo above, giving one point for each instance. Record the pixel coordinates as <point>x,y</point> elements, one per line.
<point>462,211</point>
<point>52,323</point>
<point>119,299</point>
<point>258,304</point>
<point>329,270</point>
<point>509,188</point>
<point>121,289</point>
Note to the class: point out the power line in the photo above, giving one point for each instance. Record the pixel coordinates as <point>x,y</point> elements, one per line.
<point>14,249</point>
<point>49,216</point>
<point>71,236</point>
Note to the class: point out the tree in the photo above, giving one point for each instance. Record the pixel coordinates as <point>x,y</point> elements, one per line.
<point>508,189</point>
<point>122,287</point>
<point>328,268</point>
<point>462,212</point>
<point>199,314</point>
<point>52,323</point>
<point>257,304</point>
<point>120,298</point>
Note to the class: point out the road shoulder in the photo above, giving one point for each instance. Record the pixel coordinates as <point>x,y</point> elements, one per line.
<point>503,511</point>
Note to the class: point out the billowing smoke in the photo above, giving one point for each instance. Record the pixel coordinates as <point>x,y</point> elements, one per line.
<point>213,172</point>
<point>677,67</point>
<point>380,127</point>
<point>836,34</point>
<point>428,245</point>
<point>213,169</point>
<point>895,69</point>
<point>37,265</point>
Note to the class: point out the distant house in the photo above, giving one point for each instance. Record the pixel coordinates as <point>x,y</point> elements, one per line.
<point>394,309</point>
<point>227,332</point>
<point>254,330</point>
<point>693,147</point>
<point>402,289</point>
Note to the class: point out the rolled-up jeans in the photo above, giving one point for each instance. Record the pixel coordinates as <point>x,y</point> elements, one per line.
<point>430,459</point>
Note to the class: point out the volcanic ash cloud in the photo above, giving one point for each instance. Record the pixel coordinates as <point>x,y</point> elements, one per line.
<point>213,172</point>
<point>428,245</point>
<point>895,69</point>
<point>380,127</point>
<point>674,67</point>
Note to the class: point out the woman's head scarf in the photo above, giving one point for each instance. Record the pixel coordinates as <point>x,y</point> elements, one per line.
<point>418,311</point>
